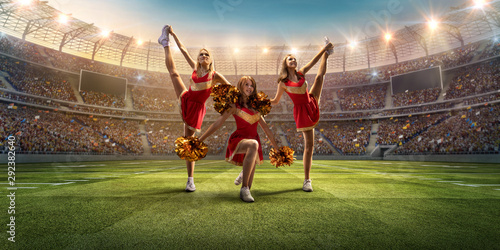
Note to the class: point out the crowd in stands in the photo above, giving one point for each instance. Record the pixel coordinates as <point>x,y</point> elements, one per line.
<point>217,141</point>
<point>349,78</point>
<point>341,116</point>
<point>20,49</point>
<point>321,146</point>
<point>28,99</point>
<point>154,99</point>
<point>37,80</point>
<point>448,59</point>
<point>475,79</point>
<point>362,98</point>
<point>122,132</point>
<point>265,142</point>
<point>296,141</point>
<point>327,101</point>
<point>418,109</point>
<point>57,131</point>
<point>43,131</point>
<point>416,97</point>
<point>73,63</point>
<point>161,136</point>
<point>264,82</point>
<point>134,76</point>
<point>399,130</point>
<point>492,48</point>
<point>475,130</point>
<point>98,110</point>
<point>348,138</point>
<point>102,99</point>
<point>482,99</point>
<point>293,138</point>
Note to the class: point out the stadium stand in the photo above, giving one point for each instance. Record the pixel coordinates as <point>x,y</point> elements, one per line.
<point>40,101</point>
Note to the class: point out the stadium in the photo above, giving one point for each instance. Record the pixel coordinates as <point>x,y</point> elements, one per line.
<point>406,152</point>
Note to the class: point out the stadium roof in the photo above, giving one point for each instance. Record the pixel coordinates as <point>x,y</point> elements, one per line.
<point>39,23</point>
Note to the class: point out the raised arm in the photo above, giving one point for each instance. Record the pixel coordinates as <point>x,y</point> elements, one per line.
<point>315,59</point>
<point>278,95</point>
<point>268,132</point>
<point>183,49</point>
<point>217,124</point>
<point>219,78</point>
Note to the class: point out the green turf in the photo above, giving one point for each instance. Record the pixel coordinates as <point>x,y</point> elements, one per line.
<point>355,204</point>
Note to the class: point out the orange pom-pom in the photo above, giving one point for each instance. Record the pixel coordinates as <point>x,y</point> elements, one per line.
<point>260,103</point>
<point>224,95</point>
<point>281,157</point>
<point>190,148</point>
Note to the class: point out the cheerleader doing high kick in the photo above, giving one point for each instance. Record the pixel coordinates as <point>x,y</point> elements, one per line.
<point>192,100</point>
<point>306,103</point>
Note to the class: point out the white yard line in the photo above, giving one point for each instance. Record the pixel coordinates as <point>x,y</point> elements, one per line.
<point>80,166</point>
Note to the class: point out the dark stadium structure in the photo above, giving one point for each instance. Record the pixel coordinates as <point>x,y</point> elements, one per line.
<point>41,105</point>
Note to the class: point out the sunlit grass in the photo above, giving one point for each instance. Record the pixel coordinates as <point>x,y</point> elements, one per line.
<point>355,204</point>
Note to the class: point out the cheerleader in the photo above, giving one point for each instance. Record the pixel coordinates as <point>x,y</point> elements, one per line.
<point>306,103</point>
<point>244,147</point>
<point>191,100</point>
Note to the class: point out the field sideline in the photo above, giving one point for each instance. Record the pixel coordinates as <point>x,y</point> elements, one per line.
<point>355,204</point>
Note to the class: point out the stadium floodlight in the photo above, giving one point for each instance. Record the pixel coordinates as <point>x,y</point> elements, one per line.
<point>374,74</point>
<point>236,50</point>
<point>24,2</point>
<point>433,24</point>
<point>294,50</point>
<point>479,4</point>
<point>388,37</point>
<point>63,18</point>
<point>265,50</point>
<point>139,42</point>
<point>353,44</point>
<point>105,33</point>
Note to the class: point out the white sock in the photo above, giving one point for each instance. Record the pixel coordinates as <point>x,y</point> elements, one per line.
<point>190,179</point>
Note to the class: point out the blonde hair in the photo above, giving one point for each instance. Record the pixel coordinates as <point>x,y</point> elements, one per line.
<point>283,76</point>
<point>211,67</point>
<point>242,81</point>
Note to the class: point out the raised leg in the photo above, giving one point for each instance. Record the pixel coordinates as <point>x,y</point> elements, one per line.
<point>317,86</point>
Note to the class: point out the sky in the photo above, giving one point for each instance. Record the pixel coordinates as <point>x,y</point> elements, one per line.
<point>254,22</point>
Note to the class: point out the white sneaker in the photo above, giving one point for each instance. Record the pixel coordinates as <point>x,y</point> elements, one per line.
<point>190,187</point>
<point>164,39</point>
<point>307,186</point>
<point>239,179</point>
<point>330,51</point>
<point>245,195</point>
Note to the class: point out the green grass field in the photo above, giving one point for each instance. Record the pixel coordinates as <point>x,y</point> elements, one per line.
<point>355,204</point>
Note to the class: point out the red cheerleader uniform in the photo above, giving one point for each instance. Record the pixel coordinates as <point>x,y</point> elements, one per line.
<point>246,129</point>
<point>192,101</point>
<point>305,105</point>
